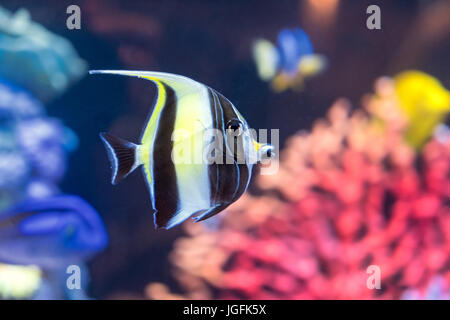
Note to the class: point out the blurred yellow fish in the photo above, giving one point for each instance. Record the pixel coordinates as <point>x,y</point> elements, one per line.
<point>424,101</point>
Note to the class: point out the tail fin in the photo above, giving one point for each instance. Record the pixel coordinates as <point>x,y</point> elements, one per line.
<point>122,154</point>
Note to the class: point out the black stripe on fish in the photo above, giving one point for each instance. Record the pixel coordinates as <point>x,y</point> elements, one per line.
<point>241,170</point>
<point>222,175</point>
<point>164,175</point>
<point>228,180</point>
<point>213,169</point>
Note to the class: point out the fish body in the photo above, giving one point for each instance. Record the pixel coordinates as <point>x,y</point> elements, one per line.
<point>50,233</point>
<point>197,151</point>
<point>289,63</point>
<point>292,46</point>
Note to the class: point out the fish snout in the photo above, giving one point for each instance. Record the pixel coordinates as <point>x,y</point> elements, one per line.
<point>266,152</point>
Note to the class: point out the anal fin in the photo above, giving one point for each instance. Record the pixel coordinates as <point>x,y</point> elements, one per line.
<point>162,220</point>
<point>211,212</point>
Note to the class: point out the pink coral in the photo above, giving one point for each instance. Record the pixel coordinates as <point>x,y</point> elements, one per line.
<point>350,194</point>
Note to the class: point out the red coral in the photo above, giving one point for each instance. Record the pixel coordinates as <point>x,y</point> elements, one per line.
<point>348,195</point>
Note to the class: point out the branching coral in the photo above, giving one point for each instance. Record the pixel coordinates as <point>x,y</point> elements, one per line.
<point>33,147</point>
<point>349,194</point>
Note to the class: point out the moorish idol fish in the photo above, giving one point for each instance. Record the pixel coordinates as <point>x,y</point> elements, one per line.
<point>287,65</point>
<point>184,112</point>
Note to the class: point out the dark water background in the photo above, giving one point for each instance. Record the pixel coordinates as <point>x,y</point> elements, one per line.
<point>210,42</point>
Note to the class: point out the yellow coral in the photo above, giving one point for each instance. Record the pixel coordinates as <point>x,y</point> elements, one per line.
<point>18,282</point>
<point>424,101</point>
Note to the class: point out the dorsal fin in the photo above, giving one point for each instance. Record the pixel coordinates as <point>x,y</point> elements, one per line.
<point>180,84</point>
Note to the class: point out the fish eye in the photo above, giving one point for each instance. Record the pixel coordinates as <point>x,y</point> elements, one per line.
<point>234,126</point>
<point>267,152</point>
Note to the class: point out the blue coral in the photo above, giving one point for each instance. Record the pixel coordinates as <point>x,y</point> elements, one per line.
<point>33,146</point>
<point>36,59</point>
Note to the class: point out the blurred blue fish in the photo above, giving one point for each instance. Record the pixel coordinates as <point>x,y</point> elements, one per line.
<point>293,45</point>
<point>51,233</point>
<point>287,65</point>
